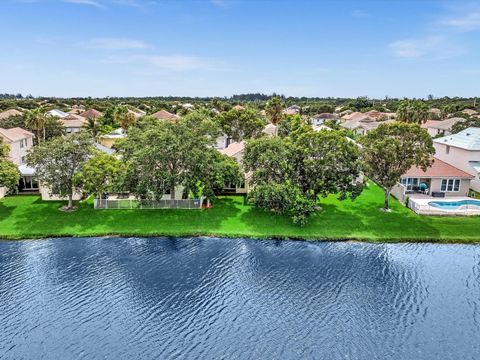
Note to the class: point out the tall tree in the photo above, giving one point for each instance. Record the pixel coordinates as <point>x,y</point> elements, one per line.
<point>274,111</point>
<point>241,124</point>
<point>92,126</point>
<point>36,120</point>
<point>391,149</point>
<point>290,173</point>
<point>58,160</point>
<point>412,111</point>
<point>163,155</point>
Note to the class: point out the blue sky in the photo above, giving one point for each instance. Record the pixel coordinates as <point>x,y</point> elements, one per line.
<point>343,48</point>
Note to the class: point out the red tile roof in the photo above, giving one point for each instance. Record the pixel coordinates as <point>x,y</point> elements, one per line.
<point>165,115</point>
<point>15,134</point>
<point>91,113</point>
<point>438,169</point>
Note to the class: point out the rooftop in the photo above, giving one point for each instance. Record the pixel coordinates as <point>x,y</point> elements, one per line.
<point>233,149</point>
<point>438,169</point>
<point>92,113</point>
<point>442,124</point>
<point>8,113</point>
<point>468,139</point>
<point>15,134</point>
<point>165,115</point>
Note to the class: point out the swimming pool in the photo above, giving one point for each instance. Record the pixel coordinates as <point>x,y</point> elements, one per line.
<point>454,205</point>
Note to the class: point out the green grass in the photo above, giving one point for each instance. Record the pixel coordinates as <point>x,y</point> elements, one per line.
<point>29,217</point>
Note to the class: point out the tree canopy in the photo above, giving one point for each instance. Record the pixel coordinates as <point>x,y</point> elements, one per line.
<point>57,162</point>
<point>290,173</point>
<point>392,149</point>
<point>241,124</point>
<point>412,111</point>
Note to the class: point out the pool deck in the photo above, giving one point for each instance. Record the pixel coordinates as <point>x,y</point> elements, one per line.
<point>420,204</point>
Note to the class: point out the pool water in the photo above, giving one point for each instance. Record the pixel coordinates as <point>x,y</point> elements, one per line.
<point>453,205</point>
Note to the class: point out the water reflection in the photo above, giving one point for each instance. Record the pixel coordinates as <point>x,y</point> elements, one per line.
<point>235,298</point>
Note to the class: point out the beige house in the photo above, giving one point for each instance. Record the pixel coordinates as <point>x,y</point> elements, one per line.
<point>462,150</point>
<point>20,141</point>
<point>440,180</point>
<point>109,140</point>
<point>73,123</point>
<point>9,113</point>
<point>441,127</point>
<point>236,150</point>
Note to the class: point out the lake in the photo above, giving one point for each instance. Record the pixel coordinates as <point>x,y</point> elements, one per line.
<point>204,298</point>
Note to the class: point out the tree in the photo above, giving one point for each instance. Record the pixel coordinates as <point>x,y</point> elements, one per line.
<point>412,111</point>
<point>274,111</point>
<point>292,124</point>
<point>58,161</point>
<point>163,155</point>
<point>290,173</point>
<point>241,124</point>
<point>462,125</point>
<point>92,126</point>
<point>9,174</point>
<point>100,175</point>
<point>391,149</point>
<point>36,120</point>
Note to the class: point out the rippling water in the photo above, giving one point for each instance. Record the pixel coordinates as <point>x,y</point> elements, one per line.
<point>134,298</point>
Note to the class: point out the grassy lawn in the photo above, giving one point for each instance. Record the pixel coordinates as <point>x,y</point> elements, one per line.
<point>29,217</point>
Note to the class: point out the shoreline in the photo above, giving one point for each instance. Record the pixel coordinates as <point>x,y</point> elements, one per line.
<point>460,241</point>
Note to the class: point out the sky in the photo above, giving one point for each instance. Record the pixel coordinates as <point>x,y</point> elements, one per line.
<point>322,48</point>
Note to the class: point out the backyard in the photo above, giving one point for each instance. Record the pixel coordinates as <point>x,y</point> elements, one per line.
<point>29,217</point>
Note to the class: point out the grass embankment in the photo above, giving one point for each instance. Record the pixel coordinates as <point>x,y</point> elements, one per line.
<point>29,217</point>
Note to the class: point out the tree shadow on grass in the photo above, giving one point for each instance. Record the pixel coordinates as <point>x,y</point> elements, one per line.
<point>345,221</point>
<point>44,219</point>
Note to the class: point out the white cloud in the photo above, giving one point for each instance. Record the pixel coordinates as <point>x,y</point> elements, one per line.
<point>437,47</point>
<point>164,62</point>
<point>467,22</point>
<point>360,14</point>
<point>85,2</point>
<point>115,44</point>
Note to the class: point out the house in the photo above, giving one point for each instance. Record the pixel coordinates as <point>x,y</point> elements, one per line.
<point>441,178</point>
<point>73,123</point>
<point>9,113</point>
<point>357,115</point>
<point>292,110</point>
<point>165,115</point>
<point>91,113</point>
<point>236,150</point>
<point>319,119</point>
<point>111,138</point>
<point>441,127</point>
<point>238,107</point>
<point>57,113</point>
<point>363,126</point>
<point>270,130</point>
<point>436,113</point>
<point>462,151</point>
<point>20,141</point>
<point>470,112</point>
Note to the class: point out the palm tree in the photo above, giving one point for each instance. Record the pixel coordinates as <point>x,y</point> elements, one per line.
<point>412,111</point>
<point>92,126</point>
<point>36,120</point>
<point>274,111</point>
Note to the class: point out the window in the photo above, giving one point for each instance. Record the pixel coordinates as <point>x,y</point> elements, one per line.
<point>410,183</point>
<point>447,150</point>
<point>23,160</point>
<point>21,143</point>
<point>450,185</point>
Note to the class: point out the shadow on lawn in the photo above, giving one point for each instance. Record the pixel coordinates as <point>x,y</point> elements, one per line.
<point>45,219</point>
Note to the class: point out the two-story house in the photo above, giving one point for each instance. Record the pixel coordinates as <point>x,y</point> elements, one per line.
<point>462,150</point>
<point>20,142</point>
